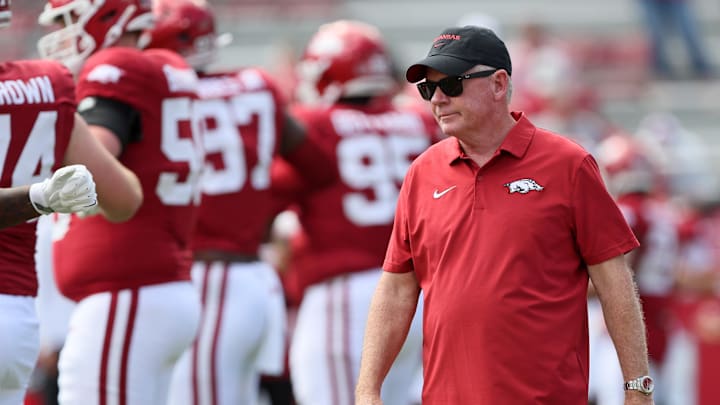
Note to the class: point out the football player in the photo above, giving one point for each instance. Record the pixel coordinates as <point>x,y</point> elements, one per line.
<point>242,330</point>
<point>346,87</point>
<point>39,132</point>
<point>137,310</point>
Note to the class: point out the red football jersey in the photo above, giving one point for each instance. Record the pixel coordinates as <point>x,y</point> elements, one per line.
<point>153,247</point>
<point>242,115</point>
<point>37,112</point>
<point>346,226</point>
<point>655,224</point>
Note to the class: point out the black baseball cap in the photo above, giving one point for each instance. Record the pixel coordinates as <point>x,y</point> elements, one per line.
<point>458,49</point>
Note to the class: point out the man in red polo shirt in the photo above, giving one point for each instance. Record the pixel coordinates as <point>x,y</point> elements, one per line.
<point>501,226</point>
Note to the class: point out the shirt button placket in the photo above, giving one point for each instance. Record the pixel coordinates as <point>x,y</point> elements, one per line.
<point>479,200</point>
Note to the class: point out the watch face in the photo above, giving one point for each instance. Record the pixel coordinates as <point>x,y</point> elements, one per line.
<point>647,384</point>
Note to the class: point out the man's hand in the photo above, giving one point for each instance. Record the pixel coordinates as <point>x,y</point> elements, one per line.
<point>70,189</point>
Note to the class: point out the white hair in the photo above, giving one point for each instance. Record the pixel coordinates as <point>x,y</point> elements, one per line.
<point>508,94</point>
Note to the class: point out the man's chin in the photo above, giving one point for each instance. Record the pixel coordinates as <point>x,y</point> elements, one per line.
<point>448,129</point>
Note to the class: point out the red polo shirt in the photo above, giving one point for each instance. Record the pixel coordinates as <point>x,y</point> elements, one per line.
<point>501,254</point>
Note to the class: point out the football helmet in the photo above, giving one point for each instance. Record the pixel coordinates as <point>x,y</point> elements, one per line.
<point>88,26</point>
<point>5,13</point>
<point>187,27</point>
<point>344,59</point>
<point>686,157</point>
<point>628,166</point>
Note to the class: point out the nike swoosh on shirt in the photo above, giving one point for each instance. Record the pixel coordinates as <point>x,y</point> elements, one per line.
<point>438,194</point>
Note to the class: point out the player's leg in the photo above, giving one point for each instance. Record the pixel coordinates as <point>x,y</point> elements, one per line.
<point>252,337</point>
<point>310,355</point>
<point>231,334</point>
<point>222,365</point>
<point>403,384</point>
<point>415,389</point>
<point>181,390</point>
<point>681,368</point>
<point>122,346</point>
<point>272,358</point>
<point>53,309</point>
<point>19,346</point>
<point>408,363</point>
<point>327,343</point>
<point>79,362</point>
<point>191,383</point>
<point>168,318</point>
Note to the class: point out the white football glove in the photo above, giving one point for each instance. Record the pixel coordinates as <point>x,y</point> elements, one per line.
<point>94,210</point>
<point>70,189</point>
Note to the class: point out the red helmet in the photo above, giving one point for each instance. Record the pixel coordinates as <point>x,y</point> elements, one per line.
<point>344,59</point>
<point>89,25</point>
<point>628,165</point>
<point>5,13</point>
<point>187,27</point>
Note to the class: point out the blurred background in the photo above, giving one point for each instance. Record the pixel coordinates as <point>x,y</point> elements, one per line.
<point>608,41</point>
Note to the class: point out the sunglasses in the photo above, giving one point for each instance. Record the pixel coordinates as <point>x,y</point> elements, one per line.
<point>451,85</point>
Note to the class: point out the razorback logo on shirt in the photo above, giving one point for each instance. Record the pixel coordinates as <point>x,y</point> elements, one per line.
<point>523,186</point>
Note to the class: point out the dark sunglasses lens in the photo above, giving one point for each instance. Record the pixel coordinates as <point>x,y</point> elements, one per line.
<point>426,89</point>
<point>451,86</point>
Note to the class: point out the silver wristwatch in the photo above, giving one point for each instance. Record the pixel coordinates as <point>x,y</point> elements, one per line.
<point>644,384</point>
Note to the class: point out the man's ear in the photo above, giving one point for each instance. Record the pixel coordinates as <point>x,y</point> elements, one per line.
<point>501,84</point>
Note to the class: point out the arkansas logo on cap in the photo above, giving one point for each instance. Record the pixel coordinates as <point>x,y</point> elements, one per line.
<point>443,39</point>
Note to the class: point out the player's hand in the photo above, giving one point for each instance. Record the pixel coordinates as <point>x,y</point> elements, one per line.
<point>70,189</point>
<point>94,210</point>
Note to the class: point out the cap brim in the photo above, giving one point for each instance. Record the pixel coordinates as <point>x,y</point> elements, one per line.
<point>446,64</point>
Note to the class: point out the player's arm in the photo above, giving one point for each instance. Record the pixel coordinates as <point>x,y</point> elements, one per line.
<point>305,155</point>
<point>69,189</point>
<point>617,292</point>
<point>391,312</point>
<point>118,189</point>
<point>16,206</point>
<point>293,134</point>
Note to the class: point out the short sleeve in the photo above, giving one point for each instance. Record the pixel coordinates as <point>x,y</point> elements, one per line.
<point>398,257</point>
<point>121,74</point>
<point>601,230</point>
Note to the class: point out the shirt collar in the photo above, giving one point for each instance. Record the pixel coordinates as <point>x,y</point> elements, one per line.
<point>516,142</point>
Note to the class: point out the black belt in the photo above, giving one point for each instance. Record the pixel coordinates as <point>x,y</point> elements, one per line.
<point>217,255</point>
